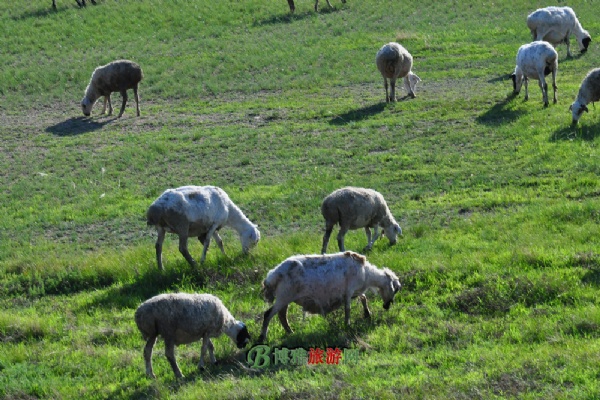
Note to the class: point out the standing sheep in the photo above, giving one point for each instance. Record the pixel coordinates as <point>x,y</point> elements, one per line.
<point>293,7</point>
<point>198,211</point>
<point>589,92</point>
<point>555,25</point>
<point>536,60</point>
<point>182,318</point>
<point>354,208</point>
<point>394,61</point>
<point>117,76</point>
<point>323,283</point>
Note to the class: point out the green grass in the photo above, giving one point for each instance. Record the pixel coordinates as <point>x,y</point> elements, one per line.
<point>497,197</point>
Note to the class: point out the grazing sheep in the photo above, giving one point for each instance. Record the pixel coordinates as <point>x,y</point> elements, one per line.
<point>555,25</point>
<point>536,60</point>
<point>323,283</point>
<point>182,318</point>
<point>394,61</point>
<point>293,7</point>
<point>589,92</point>
<point>354,208</point>
<point>198,211</point>
<point>80,3</point>
<point>117,76</point>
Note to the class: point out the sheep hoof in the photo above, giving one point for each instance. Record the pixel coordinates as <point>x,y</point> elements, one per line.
<point>545,104</point>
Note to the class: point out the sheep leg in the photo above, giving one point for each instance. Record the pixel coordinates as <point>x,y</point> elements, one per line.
<point>104,108</point>
<point>340,238</point>
<point>148,356</point>
<point>363,300</point>
<point>209,234</point>
<point>316,5</point>
<point>387,96</point>
<point>393,89</point>
<point>124,95</point>
<point>329,4</point>
<point>207,344</point>
<point>219,241</point>
<point>328,230</point>
<point>369,243</point>
<point>183,249</point>
<point>347,310</point>
<point>137,99</point>
<point>170,354</point>
<point>158,246</point>
<point>544,87</point>
<point>525,82</point>
<point>54,4</point>
<point>270,313</point>
<point>554,87</point>
<point>282,314</point>
<point>568,43</point>
<point>292,6</point>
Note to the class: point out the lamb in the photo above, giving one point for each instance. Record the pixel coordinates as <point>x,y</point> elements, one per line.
<point>394,61</point>
<point>198,211</point>
<point>117,76</point>
<point>555,25</point>
<point>354,208</point>
<point>536,60</point>
<point>182,318</point>
<point>323,283</point>
<point>80,3</point>
<point>589,92</point>
<point>293,7</point>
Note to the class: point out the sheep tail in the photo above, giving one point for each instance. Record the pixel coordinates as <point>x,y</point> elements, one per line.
<point>269,285</point>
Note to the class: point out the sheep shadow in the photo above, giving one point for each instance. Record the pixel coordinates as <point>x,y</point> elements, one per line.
<point>500,114</point>
<point>581,131</point>
<point>358,115</point>
<point>296,16</point>
<point>76,126</point>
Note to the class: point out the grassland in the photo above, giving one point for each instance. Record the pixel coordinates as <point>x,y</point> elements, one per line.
<point>498,198</point>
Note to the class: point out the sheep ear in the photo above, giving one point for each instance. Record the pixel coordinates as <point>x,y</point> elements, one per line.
<point>571,107</point>
<point>585,109</point>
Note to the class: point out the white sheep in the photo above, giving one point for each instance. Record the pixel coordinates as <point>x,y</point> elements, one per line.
<point>555,25</point>
<point>535,60</point>
<point>394,61</point>
<point>182,318</point>
<point>589,92</point>
<point>355,208</point>
<point>198,211</point>
<point>117,76</point>
<point>293,7</point>
<point>323,283</point>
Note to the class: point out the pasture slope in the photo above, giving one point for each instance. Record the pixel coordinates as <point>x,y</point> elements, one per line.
<point>498,198</point>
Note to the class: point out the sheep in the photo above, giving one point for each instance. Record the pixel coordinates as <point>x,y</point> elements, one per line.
<point>535,60</point>
<point>117,76</point>
<point>293,7</point>
<point>198,211</point>
<point>80,3</point>
<point>354,208</point>
<point>589,92</point>
<point>394,61</point>
<point>555,25</point>
<point>323,283</point>
<point>183,318</point>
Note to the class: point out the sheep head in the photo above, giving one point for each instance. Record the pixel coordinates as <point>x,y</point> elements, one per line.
<point>577,110</point>
<point>250,238</point>
<point>585,42</point>
<point>86,106</point>
<point>392,231</point>
<point>388,292</point>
